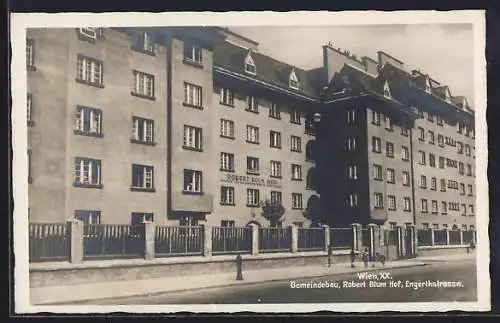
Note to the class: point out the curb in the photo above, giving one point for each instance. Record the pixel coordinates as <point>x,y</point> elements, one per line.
<point>231,283</point>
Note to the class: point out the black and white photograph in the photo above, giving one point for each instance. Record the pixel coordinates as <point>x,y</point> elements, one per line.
<point>246,161</point>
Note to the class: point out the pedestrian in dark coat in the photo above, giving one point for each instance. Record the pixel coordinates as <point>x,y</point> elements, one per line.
<point>353,258</point>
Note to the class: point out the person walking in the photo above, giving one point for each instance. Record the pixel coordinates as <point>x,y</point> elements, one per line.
<point>353,258</point>
<point>329,255</point>
<point>366,257</point>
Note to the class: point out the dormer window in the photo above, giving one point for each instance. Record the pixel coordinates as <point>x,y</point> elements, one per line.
<point>447,95</point>
<point>250,65</point>
<point>387,91</point>
<point>193,53</point>
<point>293,81</point>
<point>427,85</point>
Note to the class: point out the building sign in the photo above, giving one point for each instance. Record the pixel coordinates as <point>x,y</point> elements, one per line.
<point>251,180</point>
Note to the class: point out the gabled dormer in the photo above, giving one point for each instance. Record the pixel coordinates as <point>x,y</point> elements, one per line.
<point>387,90</point>
<point>447,95</point>
<point>250,66</point>
<point>293,80</point>
<point>428,87</point>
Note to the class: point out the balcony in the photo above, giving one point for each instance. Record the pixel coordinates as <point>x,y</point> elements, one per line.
<point>202,202</point>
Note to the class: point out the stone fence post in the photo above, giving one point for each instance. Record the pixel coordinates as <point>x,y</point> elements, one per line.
<point>295,238</point>
<point>461,236</point>
<point>432,237</point>
<point>255,239</point>
<point>357,238</point>
<point>207,240</point>
<point>401,245</point>
<point>327,237</point>
<point>447,232</point>
<point>149,240</point>
<point>75,231</point>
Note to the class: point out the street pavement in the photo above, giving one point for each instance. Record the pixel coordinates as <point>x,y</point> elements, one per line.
<point>461,269</point>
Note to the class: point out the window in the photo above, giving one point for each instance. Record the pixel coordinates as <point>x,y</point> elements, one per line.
<point>88,217</point>
<point>252,134</point>
<point>30,53</point>
<point>388,124</point>
<point>144,84</point>
<point>391,177</point>
<point>469,187</point>
<point>137,218</point>
<point>275,111</point>
<point>275,139</point>
<point>252,165</point>
<point>296,201</point>
<point>275,168</point>
<point>142,177</point>
<point>460,127</point>
<point>29,108</point>
<point>406,204</point>
<point>451,163</point>
<point>227,97</point>
<point>453,206</point>
<point>193,138</point>
<point>464,209</point>
<point>453,185</point>
<point>405,131</point>
<point>227,128</point>
<point>387,91</point>
<point>89,33</point>
<point>376,117</point>
<point>276,197</point>
<point>430,117</point>
<point>193,53</point>
<point>295,116</point>
<point>227,223</point>
<point>227,162</point>
<point>377,172</point>
<point>420,112</point>
<point>296,144</point>
<point>250,65</point>
<point>142,130</point>
<point>88,121</point>
<point>467,150</point>
<point>460,147</point>
<point>296,172</point>
<point>405,152</point>
<point>433,183</point>
<point>471,209</point>
<point>252,197</point>
<point>188,221</point>
<point>352,200</point>
<point>192,95</point>
<point>443,207</point>
<point>252,104</point>
<point>461,168</point>
<point>424,206</point>
<point>89,71</point>
<point>87,172</point>
<point>425,226</point>
<point>350,143</point>
<point>440,141</point>
<point>421,134</point>
<point>389,146</point>
<point>391,202</point>
<point>392,225</point>
<point>435,226</point>
<point>464,227</point>
<point>422,157</point>
<point>431,137</point>
<point>462,189</point>
<point>352,171</point>
<point>469,170</point>
<point>192,181</point>
<point>227,195</point>
<point>434,206</point>
<point>439,121</point>
<point>423,181</point>
<point>293,81</point>
<point>406,178</point>
<point>378,200</point>
<point>432,160</point>
<point>443,185</point>
<point>441,162</point>
<point>376,144</point>
<point>298,224</point>
<point>146,43</point>
<point>351,116</point>
<point>445,226</point>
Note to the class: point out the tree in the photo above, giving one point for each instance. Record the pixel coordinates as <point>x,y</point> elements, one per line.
<point>272,211</point>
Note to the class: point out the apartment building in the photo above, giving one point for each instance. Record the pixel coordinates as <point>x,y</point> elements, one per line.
<point>196,125</point>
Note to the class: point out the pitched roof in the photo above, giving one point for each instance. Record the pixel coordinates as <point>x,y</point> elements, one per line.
<point>232,57</point>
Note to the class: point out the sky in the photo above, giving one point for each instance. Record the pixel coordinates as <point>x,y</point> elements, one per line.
<point>444,51</point>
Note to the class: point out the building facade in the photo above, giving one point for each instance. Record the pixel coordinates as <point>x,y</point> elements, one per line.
<point>196,125</point>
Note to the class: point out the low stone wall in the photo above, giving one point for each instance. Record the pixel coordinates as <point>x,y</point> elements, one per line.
<point>440,250</point>
<point>63,273</point>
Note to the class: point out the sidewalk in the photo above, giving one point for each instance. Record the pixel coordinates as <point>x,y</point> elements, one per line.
<point>118,289</point>
<point>447,257</point>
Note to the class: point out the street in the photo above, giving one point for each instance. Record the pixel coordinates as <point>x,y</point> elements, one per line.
<point>349,291</point>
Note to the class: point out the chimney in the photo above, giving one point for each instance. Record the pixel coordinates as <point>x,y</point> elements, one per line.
<point>334,59</point>
<point>371,65</point>
<point>383,58</point>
